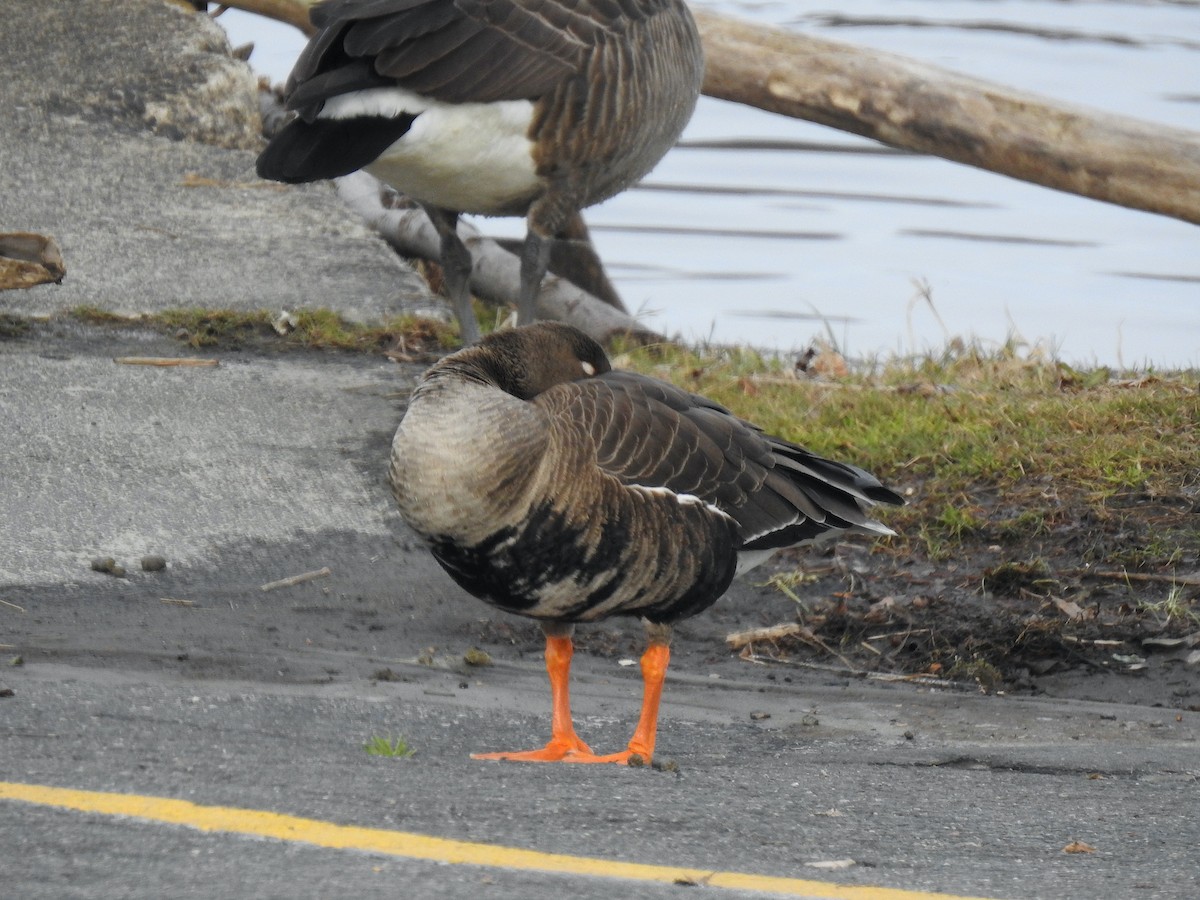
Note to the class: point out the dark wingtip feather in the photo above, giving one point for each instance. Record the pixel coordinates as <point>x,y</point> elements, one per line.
<point>880,494</point>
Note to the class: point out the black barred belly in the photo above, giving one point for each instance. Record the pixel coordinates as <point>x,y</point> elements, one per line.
<point>516,568</point>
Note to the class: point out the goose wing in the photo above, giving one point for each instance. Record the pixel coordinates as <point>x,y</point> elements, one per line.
<point>649,433</point>
<point>452,50</point>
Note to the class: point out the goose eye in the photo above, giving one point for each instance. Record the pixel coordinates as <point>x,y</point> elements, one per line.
<point>588,368</point>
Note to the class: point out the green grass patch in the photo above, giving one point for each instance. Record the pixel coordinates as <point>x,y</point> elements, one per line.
<point>13,326</point>
<point>1173,608</point>
<point>391,747</point>
<point>320,329</point>
<point>212,327</point>
<point>94,315</point>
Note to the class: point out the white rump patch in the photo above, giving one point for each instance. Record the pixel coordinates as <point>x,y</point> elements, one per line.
<point>748,559</point>
<point>468,157</point>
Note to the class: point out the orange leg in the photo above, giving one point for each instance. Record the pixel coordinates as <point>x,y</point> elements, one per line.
<point>654,671</point>
<point>564,743</point>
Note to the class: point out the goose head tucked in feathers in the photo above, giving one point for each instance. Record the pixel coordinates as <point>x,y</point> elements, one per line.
<point>550,485</point>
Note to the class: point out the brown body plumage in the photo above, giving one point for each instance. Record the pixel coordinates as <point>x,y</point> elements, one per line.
<point>499,107</point>
<point>553,487</point>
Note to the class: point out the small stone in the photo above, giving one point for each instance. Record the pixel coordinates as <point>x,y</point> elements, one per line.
<point>759,714</point>
<point>153,563</point>
<point>108,566</point>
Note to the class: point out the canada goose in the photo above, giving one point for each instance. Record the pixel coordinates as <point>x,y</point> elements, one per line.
<point>551,486</point>
<point>533,108</point>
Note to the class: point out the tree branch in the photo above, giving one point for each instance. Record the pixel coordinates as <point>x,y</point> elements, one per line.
<point>920,107</point>
<point>496,273</point>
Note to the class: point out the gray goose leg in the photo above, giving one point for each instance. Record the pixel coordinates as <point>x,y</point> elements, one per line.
<point>535,259</point>
<point>456,270</point>
<point>547,219</point>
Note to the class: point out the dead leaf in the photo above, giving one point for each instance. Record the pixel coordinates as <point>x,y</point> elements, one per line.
<point>1068,608</point>
<point>880,611</point>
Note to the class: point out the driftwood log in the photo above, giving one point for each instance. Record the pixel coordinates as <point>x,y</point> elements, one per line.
<point>496,274</point>
<point>915,106</point>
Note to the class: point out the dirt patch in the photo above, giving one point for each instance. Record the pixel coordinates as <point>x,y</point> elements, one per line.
<point>1051,613</point>
<point>1016,620</point>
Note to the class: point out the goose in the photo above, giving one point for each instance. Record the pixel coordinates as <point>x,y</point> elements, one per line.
<point>534,108</point>
<point>552,486</point>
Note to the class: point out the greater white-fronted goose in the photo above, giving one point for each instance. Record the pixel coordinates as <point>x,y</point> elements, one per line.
<point>551,486</point>
<point>533,108</point>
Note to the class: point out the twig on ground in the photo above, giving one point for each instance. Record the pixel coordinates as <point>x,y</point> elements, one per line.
<point>1121,575</point>
<point>915,678</point>
<point>165,361</point>
<point>297,579</point>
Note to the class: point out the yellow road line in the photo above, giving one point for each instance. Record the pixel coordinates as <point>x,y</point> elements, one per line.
<point>260,823</point>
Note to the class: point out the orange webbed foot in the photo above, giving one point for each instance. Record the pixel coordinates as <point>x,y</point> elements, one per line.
<point>624,758</point>
<point>556,750</point>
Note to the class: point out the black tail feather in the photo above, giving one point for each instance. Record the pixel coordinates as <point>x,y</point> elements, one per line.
<point>328,148</point>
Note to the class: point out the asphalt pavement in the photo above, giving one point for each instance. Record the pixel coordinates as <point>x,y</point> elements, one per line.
<point>121,694</point>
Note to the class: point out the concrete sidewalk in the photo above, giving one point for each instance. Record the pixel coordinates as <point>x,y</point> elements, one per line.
<point>129,134</point>
<point>130,137</point>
